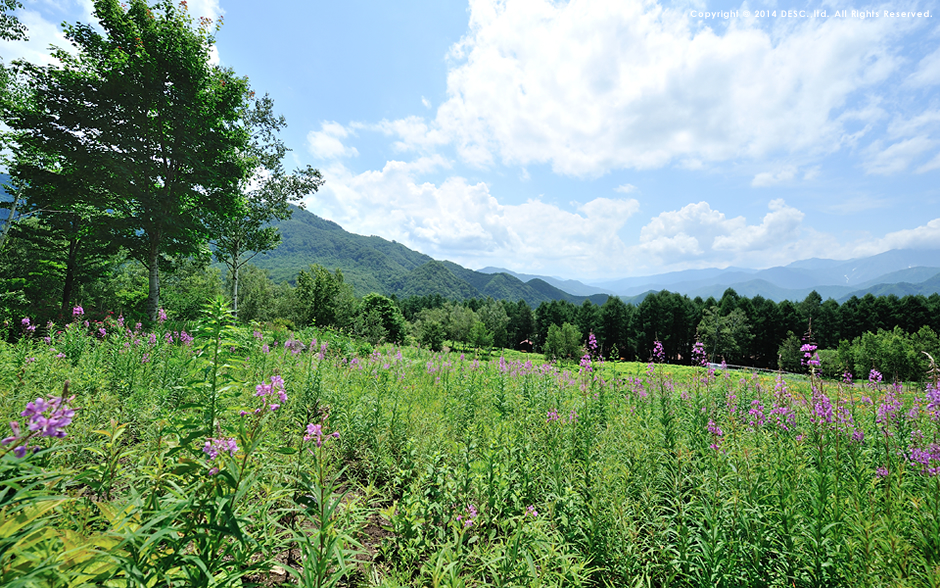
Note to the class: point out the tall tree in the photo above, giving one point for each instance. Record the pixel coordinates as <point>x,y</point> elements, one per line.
<point>265,194</point>
<point>141,114</point>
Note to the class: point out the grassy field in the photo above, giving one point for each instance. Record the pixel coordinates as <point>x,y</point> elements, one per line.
<point>229,456</point>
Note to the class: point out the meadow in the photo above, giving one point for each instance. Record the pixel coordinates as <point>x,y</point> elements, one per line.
<point>215,455</point>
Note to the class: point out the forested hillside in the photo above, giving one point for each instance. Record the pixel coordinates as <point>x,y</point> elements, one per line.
<point>373,264</point>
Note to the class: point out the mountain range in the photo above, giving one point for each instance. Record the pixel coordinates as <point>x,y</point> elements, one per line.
<point>899,272</point>
<point>373,264</point>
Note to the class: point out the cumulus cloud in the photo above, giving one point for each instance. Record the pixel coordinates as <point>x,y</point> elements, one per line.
<point>696,232</point>
<point>594,86</point>
<point>327,142</point>
<point>626,188</point>
<point>923,237</point>
<point>465,222</point>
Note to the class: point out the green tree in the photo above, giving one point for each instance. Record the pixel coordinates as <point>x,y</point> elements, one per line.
<point>480,336</point>
<point>142,115</point>
<point>494,318</point>
<point>266,194</point>
<point>323,298</point>
<point>388,314</point>
<point>431,334</point>
<point>261,298</point>
<point>789,356</point>
<point>724,336</point>
<point>11,29</point>
<point>562,342</point>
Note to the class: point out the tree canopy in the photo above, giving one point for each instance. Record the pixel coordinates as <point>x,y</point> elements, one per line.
<point>142,116</point>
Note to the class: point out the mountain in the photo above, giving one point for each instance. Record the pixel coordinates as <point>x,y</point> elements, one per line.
<point>373,264</point>
<point>570,286</point>
<point>900,289</point>
<point>830,278</point>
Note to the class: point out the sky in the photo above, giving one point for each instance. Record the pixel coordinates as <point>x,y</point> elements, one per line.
<point>596,139</point>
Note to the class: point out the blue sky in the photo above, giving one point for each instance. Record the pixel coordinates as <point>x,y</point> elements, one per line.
<point>597,139</point>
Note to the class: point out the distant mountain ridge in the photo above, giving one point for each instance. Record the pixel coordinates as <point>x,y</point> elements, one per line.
<point>373,264</point>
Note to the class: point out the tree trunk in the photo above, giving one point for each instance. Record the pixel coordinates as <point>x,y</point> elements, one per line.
<point>9,221</point>
<point>235,291</point>
<point>70,271</point>
<point>153,265</point>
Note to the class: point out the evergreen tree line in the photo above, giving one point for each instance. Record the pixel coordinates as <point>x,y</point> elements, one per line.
<point>887,333</point>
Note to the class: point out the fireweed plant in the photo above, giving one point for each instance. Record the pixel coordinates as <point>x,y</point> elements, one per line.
<point>212,455</point>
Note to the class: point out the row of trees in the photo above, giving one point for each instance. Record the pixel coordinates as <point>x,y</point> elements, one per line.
<point>134,144</point>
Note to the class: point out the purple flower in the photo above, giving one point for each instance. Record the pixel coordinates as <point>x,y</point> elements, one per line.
<point>214,447</point>
<point>468,520</point>
<point>552,416</point>
<point>531,512</point>
<point>185,338</point>
<point>810,357</point>
<point>77,312</point>
<point>315,434</point>
<point>25,321</point>
<point>585,363</point>
<point>756,413</point>
<point>265,349</point>
<point>882,472</point>
<point>698,354</point>
<point>822,408</point>
<point>46,418</point>
<point>161,316</point>
<point>659,354</point>
<point>49,417</point>
<point>847,378</point>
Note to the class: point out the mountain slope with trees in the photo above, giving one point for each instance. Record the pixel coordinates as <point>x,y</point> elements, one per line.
<point>373,264</point>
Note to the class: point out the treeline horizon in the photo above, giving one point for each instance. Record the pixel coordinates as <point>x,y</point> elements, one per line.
<point>888,333</point>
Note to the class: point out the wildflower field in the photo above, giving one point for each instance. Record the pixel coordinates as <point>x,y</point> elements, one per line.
<point>216,455</point>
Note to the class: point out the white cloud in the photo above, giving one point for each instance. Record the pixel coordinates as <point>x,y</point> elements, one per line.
<point>765,179</point>
<point>922,237</point>
<point>930,165</point>
<point>42,34</point>
<point>856,204</point>
<point>426,102</point>
<point>696,232</point>
<point>464,222</point>
<point>927,73</point>
<point>327,142</point>
<point>593,86</point>
<point>625,188</point>
<point>414,132</point>
<point>898,156</point>
<point>778,226</point>
<point>206,8</point>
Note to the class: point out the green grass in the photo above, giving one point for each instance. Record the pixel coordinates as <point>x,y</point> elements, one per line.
<point>638,476</point>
